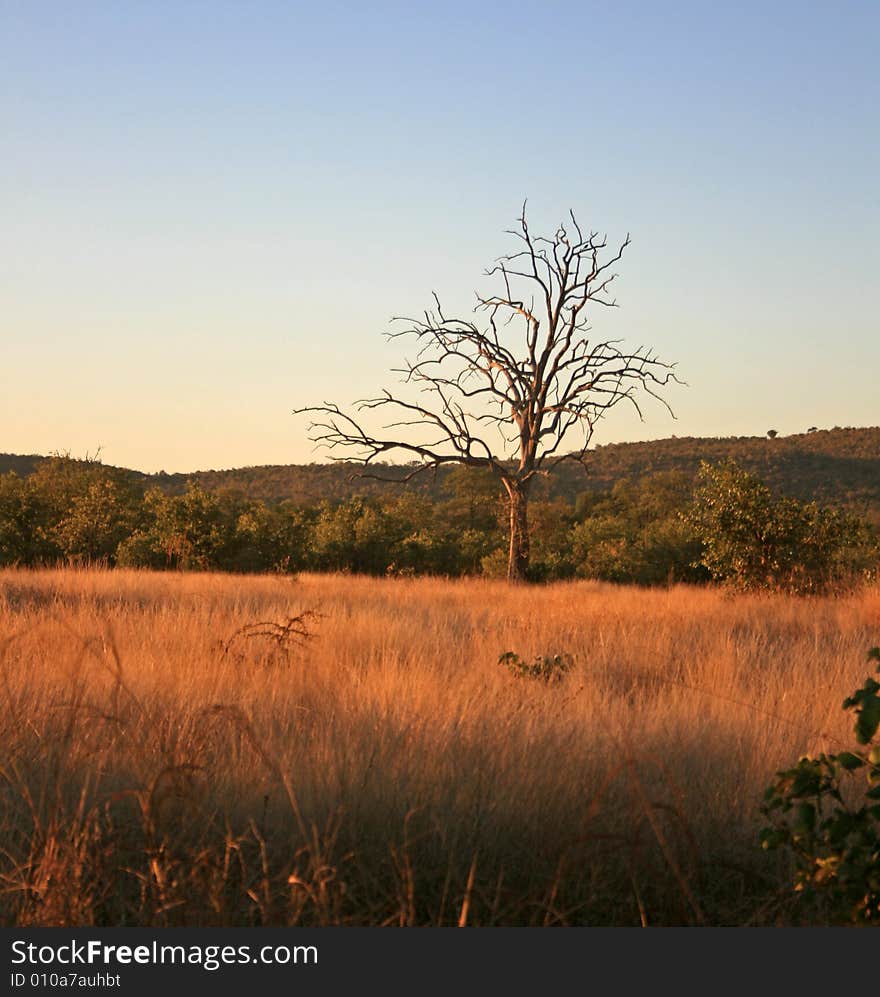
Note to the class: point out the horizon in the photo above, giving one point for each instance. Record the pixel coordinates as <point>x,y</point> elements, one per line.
<point>208,222</point>
<point>97,457</point>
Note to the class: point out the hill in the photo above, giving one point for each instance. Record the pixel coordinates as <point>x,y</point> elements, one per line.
<point>839,466</point>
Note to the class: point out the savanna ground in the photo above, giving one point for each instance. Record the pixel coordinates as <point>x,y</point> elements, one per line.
<point>161,765</point>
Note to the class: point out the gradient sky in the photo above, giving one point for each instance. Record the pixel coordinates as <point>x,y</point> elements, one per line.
<point>209,211</point>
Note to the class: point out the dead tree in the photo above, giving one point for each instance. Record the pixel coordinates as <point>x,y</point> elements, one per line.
<point>510,392</point>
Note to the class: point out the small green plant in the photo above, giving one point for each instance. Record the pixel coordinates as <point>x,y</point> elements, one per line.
<point>830,824</point>
<point>546,669</point>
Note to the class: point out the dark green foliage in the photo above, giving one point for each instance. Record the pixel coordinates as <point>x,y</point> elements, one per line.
<point>74,510</point>
<point>825,812</point>
<point>866,704</point>
<point>269,538</point>
<point>192,531</point>
<point>550,524</point>
<point>839,466</point>
<point>473,499</point>
<point>203,530</point>
<point>97,521</point>
<point>636,534</point>
<point>370,537</point>
<point>22,522</point>
<point>354,536</point>
<point>642,531</point>
<point>753,539</point>
<point>140,550</point>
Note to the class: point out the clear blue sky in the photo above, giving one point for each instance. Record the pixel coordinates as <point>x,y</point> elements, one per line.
<point>209,211</point>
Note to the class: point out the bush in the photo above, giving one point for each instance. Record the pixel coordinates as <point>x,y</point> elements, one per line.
<point>752,540</point>
<point>494,565</point>
<point>830,826</point>
<point>140,550</point>
<point>267,539</point>
<point>98,521</point>
<point>636,535</point>
<point>23,535</point>
<point>193,531</point>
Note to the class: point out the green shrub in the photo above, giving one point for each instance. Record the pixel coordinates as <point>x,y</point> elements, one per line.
<point>753,540</point>
<point>635,534</point>
<point>140,550</point>
<point>98,521</point>
<point>23,534</point>
<point>826,812</point>
<point>494,564</point>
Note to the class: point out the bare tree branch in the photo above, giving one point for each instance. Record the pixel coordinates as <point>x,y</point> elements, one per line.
<point>541,393</point>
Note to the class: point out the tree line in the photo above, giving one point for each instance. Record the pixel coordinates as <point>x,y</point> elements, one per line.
<point>835,466</point>
<point>725,524</point>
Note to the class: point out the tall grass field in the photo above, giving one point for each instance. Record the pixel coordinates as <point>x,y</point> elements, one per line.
<point>197,749</point>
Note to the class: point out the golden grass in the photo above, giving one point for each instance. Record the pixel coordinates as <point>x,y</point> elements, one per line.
<point>158,770</point>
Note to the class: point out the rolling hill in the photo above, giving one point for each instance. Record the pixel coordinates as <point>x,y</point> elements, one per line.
<point>839,466</point>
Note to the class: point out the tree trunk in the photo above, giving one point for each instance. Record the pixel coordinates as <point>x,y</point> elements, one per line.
<point>518,559</point>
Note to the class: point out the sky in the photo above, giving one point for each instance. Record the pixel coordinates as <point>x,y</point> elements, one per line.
<point>210,211</point>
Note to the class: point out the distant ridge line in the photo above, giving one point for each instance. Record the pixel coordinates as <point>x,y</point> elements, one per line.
<point>836,466</point>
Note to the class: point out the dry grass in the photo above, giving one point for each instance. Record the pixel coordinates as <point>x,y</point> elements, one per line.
<point>158,770</point>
